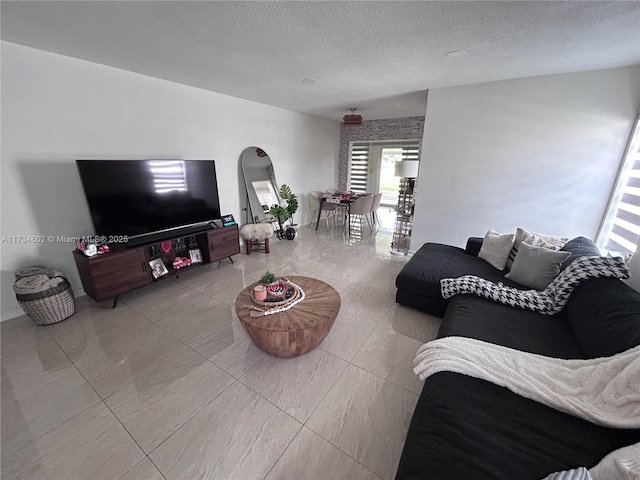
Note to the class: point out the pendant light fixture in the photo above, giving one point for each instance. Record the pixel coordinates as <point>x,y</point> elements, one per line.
<point>352,118</point>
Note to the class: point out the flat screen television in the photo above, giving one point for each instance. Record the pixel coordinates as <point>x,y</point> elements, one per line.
<point>148,200</point>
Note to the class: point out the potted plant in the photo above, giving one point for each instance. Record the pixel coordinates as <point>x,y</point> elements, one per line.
<point>260,290</point>
<point>270,285</point>
<point>285,213</point>
<point>268,278</point>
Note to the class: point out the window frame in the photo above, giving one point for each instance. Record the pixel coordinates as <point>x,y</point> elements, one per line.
<point>631,155</point>
<point>411,148</point>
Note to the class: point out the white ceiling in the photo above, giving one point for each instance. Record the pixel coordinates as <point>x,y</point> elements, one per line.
<point>380,56</point>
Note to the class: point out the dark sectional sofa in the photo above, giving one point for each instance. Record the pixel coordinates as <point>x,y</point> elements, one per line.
<point>466,428</point>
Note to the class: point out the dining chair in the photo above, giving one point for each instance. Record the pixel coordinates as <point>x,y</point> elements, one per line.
<point>315,200</point>
<point>362,208</point>
<point>374,208</point>
<point>343,208</point>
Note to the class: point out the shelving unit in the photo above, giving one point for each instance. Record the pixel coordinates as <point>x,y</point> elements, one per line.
<point>124,269</point>
<point>404,217</point>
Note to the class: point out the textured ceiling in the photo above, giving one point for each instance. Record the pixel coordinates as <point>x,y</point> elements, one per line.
<point>380,57</point>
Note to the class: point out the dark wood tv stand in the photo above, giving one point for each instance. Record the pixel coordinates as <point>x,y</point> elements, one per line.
<point>124,269</point>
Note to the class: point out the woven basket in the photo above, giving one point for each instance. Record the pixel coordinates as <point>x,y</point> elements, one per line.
<point>50,306</point>
<point>32,270</point>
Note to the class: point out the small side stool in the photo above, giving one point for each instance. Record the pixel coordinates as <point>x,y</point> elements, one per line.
<point>256,236</point>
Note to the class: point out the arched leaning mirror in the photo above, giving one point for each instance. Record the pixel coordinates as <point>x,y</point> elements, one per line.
<point>260,180</point>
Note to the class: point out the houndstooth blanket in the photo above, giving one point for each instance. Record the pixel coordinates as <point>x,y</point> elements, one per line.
<point>605,391</point>
<point>549,301</point>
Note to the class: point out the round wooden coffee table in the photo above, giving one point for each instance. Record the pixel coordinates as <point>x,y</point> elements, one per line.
<point>295,331</point>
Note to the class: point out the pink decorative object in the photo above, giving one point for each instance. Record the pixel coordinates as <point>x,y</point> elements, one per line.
<point>181,262</point>
<point>166,246</point>
<point>276,288</point>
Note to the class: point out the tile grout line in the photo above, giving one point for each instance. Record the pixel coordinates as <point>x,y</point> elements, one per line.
<point>373,373</point>
<point>101,399</point>
<point>283,452</point>
<point>329,441</point>
<point>304,424</point>
<point>142,460</point>
<point>188,420</point>
<point>316,407</point>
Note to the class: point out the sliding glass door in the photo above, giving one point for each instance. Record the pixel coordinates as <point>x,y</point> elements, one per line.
<point>372,164</point>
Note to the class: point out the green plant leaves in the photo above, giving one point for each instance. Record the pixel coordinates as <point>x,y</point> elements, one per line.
<point>267,278</point>
<point>285,213</point>
<point>285,192</point>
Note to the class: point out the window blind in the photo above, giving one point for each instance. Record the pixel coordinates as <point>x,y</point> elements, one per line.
<point>621,228</point>
<point>359,160</point>
<point>411,151</point>
<point>359,170</point>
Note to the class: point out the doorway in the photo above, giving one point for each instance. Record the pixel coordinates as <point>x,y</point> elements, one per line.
<point>372,166</point>
<point>388,182</point>
<point>372,170</point>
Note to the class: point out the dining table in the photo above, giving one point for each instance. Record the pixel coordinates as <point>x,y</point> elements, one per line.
<point>342,200</point>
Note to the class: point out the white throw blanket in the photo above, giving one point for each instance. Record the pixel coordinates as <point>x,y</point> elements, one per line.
<point>621,464</point>
<point>605,391</point>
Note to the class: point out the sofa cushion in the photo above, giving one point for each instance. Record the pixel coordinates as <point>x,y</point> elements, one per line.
<point>465,428</point>
<point>579,247</point>
<point>430,305</point>
<point>421,275</point>
<point>482,319</point>
<point>536,267</point>
<point>474,244</point>
<point>604,314</point>
<point>495,248</point>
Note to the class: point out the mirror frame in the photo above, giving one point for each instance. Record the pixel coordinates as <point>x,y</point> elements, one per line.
<point>252,160</point>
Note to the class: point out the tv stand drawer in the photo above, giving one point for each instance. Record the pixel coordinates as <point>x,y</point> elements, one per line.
<point>223,242</point>
<point>107,276</point>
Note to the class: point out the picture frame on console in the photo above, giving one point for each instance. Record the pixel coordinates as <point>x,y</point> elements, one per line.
<point>195,255</point>
<point>158,268</point>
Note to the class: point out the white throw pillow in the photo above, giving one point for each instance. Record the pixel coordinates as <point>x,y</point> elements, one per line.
<point>555,241</point>
<point>533,239</point>
<point>496,248</point>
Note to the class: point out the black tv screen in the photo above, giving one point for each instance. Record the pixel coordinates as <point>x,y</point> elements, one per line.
<point>135,198</point>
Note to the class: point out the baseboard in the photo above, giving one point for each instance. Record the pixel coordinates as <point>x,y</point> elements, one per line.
<point>17,311</point>
<point>12,313</point>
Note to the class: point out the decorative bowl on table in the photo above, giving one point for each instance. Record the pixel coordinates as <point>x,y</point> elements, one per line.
<point>276,289</point>
<point>278,293</point>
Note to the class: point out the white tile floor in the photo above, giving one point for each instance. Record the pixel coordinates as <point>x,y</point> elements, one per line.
<point>168,385</point>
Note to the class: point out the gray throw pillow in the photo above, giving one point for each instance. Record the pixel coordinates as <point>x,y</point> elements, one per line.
<point>536,267</point>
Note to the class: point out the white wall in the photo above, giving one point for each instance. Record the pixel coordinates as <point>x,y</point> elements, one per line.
<point>541,153</point>
<point>56,109</point>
